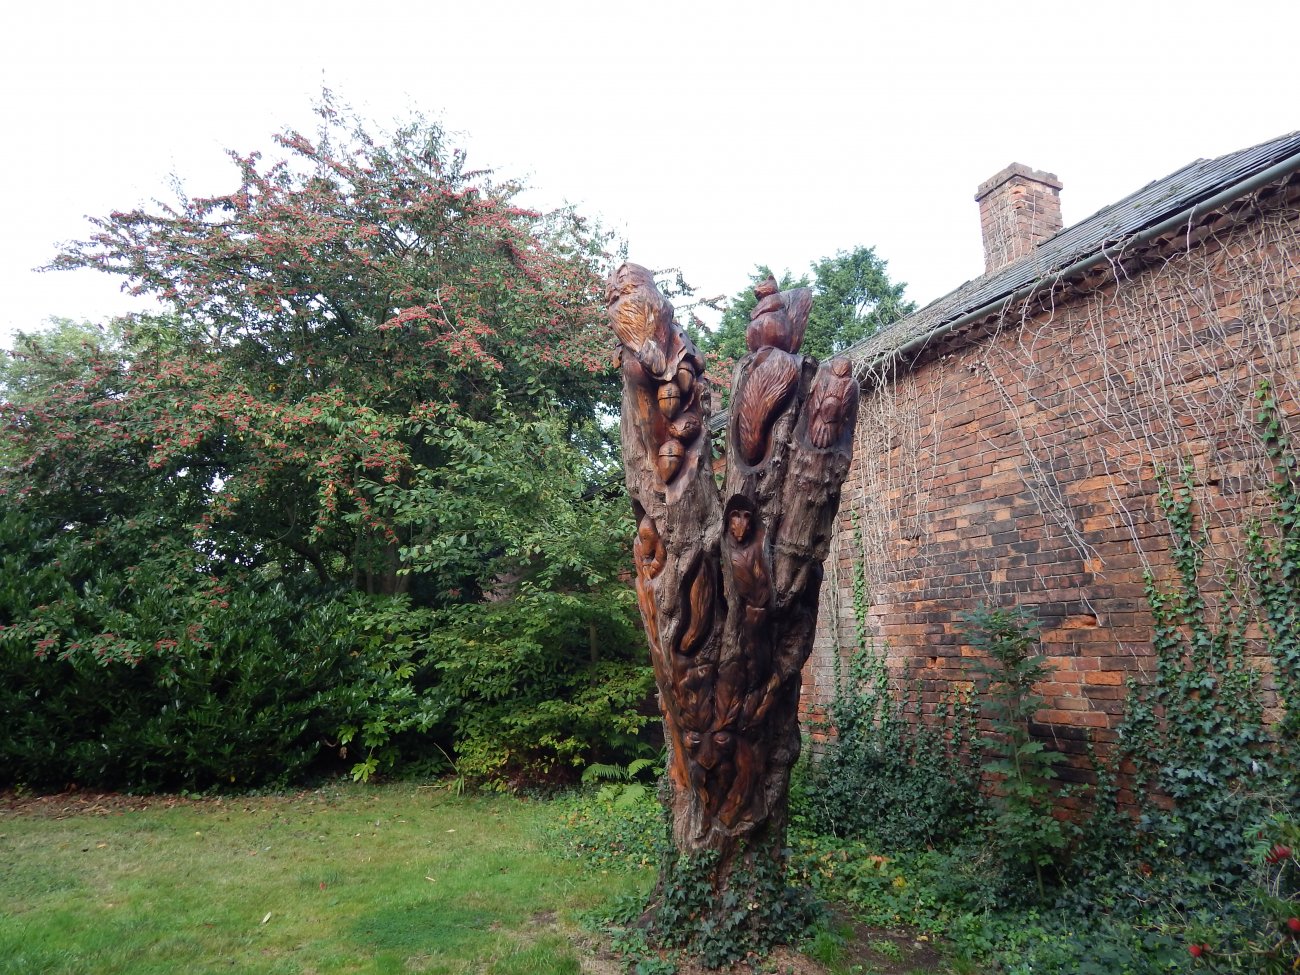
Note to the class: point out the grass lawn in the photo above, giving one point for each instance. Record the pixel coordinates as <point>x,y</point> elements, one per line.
<point>396,878</point>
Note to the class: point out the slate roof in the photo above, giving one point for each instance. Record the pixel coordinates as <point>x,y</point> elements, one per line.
<point>1107,229</point>
<point>1112,225</point>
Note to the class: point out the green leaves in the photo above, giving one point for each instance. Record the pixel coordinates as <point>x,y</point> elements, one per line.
<point>1196,732</point>
<point>1022,831</point>
<point>376,376</point>
<point>529,694</point>
<point>852,298</point>
<point>888,774</point>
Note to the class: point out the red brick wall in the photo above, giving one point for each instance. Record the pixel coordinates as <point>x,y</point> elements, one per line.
<point>1021,470</point>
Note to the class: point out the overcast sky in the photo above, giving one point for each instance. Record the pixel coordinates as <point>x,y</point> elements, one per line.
<point>712,136</point>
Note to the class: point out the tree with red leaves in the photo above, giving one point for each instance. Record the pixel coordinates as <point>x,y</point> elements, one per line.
<point>372,375</point>
<point>329,321</point>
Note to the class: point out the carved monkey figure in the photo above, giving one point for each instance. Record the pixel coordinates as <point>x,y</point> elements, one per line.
<point>749,572</point>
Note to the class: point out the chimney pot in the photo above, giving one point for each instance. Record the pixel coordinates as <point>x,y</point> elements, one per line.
<point>1019,209</point>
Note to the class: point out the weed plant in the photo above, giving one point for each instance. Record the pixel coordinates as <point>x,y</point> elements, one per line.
<point>888,774</point>
<point>1029,840</point>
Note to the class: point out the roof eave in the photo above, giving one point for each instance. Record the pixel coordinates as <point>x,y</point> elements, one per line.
<point>877,363</point>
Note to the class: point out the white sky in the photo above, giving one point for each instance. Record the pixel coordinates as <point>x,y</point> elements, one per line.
<point>711,135</point>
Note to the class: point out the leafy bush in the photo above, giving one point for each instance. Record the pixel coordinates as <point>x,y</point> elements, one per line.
<point>888,774</point>
<point>149,682</point>
<point>1022,830</point>
<point>543,683</point>
<point>162,677</point>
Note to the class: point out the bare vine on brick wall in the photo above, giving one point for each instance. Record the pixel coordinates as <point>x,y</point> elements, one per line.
<point>1096,388</point>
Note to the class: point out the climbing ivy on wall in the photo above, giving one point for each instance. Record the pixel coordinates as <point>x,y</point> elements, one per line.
<point>1273,559</point>
<point>1197,733</point>
<point>890,774</point>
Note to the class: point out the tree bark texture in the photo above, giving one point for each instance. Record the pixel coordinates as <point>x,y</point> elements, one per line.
<point>727,579</point>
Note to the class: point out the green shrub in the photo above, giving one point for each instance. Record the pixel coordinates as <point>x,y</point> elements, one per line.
<point>1028,840</point>
<point>125,663</point>
<point>543,683</point>
<point>244,692</point>
<point>888,773</point>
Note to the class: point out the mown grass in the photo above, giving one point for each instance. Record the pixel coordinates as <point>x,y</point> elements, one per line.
<point>350,879</point>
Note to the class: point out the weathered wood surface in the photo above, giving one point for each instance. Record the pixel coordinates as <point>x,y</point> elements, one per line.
<point>728,580</point>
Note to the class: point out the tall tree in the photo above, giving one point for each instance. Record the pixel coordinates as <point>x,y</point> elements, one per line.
<point>374,375</point>
<point>852,298</point>
<point>327,315</point>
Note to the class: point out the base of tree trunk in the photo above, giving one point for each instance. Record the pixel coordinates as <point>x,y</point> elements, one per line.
<point>722,908</point>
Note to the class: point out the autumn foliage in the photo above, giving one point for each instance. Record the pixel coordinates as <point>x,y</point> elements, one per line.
<point>371,373</point>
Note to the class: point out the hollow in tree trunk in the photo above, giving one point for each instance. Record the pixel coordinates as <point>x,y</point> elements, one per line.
<point>727,582</point>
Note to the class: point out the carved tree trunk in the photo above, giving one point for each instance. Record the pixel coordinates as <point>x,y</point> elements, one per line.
<point>728,581</point>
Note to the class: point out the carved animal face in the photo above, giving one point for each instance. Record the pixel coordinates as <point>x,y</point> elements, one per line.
<point>739,522</point>
<point>640,316</point>
<point>685,428</point>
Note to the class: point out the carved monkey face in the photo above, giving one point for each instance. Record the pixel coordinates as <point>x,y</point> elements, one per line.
<point>740,523</point>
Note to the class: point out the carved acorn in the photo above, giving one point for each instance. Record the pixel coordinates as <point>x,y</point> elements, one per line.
<point>670,459</point>
<point>670,400</point>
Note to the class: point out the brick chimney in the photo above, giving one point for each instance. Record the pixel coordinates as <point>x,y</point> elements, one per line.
<point>1019,209</point>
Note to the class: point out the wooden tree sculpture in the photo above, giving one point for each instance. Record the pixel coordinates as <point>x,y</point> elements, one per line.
<point>728,581</point>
